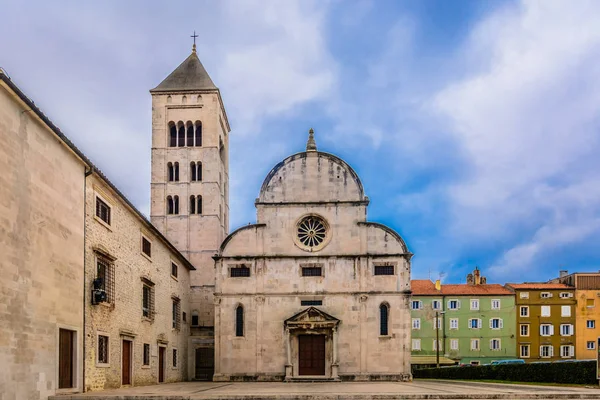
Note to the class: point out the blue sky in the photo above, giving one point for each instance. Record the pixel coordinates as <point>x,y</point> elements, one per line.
<point>474,125</point>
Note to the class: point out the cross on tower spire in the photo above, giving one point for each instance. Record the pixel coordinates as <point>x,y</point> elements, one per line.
<point>194,46</point>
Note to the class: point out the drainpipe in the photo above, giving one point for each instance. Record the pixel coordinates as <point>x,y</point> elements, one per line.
<point>87,173</point>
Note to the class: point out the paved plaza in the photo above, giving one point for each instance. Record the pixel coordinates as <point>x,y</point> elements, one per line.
<point>418,389</point>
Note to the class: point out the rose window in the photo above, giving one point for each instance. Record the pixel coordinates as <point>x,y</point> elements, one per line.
<point>312,231</point>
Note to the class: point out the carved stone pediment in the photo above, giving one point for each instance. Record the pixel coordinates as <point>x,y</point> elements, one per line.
<point>311,318</point>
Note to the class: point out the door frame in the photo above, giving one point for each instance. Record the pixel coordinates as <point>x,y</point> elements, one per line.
<point>130,340</point>
<point>162,365</point>
<point>75,359</point>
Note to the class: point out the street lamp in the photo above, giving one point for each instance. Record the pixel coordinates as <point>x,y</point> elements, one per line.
<point>437,337</point>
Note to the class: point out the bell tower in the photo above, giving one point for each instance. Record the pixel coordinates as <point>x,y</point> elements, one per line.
<point>190,177</point>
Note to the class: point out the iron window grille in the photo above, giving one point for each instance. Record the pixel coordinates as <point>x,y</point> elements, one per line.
<point>174,358</point>
<point>105,278</point>
<point>239,272</point>
<point>102,349</point>
<point>146,357</point>
<point>311,302</point>
<point>312,271</point>
<point>384,270</point>
<point>102,210</point>
<point>176,313</point>
<point>146,247</point>
<point>148,299</point>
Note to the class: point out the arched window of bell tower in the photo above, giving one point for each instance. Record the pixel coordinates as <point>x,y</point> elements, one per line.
<point>199,207</point>
<point>172,134</point>
<point>176,172</point>
<point>192,204</point>
<point>176,205</point>
<point>198,129</point>
<point>199,171</point>
<point>184,100</point>
<point>190,133</point>
<point>170,172</point>
<point>193,171</point>
<point>170,205</point>
<point>180,134</point>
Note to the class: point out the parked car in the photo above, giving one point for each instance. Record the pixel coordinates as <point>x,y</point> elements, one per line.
<point>512,361</point>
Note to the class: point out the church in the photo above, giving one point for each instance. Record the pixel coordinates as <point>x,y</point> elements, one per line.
<point>311,291</point>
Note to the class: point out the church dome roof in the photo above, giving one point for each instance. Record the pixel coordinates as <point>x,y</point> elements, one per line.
<point>312,177</point>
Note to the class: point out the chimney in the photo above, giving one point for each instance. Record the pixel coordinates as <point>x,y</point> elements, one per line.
<point>563,273</point>
<point>438,285</point>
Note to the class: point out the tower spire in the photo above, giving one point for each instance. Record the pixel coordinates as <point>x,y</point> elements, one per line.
<point>311,145</point>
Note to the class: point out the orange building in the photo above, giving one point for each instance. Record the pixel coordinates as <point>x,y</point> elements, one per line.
<point>587,321</point>
<point>545,321</point>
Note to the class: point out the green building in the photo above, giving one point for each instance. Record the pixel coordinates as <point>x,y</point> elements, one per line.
<point>476,320</point>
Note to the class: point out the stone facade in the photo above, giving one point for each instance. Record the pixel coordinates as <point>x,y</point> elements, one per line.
<point>312,273</point>
<point>113,253</point>
<point>187,99</point>
<point>41,242</point>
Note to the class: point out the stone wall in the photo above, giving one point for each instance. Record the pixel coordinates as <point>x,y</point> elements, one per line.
<point>122,319</point>
<point>41,242</point>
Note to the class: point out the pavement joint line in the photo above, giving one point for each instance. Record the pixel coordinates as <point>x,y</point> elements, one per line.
<point>212,388</point>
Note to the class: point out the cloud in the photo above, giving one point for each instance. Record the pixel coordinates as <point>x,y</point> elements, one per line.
<point>526,118</point>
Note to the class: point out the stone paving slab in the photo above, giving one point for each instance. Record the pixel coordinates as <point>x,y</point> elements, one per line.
<point>418,389</point>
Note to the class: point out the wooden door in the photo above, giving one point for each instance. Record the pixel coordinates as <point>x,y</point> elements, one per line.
<point>66,339</point>
<point>205,364</point>
<point>126,364</point>
<point>161,364</point>
<point>311,354</point>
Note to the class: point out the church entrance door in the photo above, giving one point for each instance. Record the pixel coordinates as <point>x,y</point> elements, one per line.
<point>311,354</point>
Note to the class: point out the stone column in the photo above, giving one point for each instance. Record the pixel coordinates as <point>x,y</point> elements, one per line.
<point>335,363</point>
<point>217,304</point>
<point>288,365</point>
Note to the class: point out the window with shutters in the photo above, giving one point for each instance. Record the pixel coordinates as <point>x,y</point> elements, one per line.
<point>437,323</point>
<point>495,304</point>
<point>437,344</point>
<point>475,323</point>
<point>416,323</point>
<point>453,304</point>
<point>589,303</point>
<point>545,295</point>
<point>176,313</point>
<point>546,351</point>
<point>591,345</point>
<point>474,304</point>
<point>147,298</point>
<point>566,330</point>
<point>495,344</point>
<point>102,210</point>
<point>241,271</point>
<point>416,344</point>
<point>524,350</point>
<point>146,247</point>
<point>146,355</point>
<point>546,330</point>
<point>545,311</point>
<point>496,323</point>
<point>453,323</point>
<point>475,344</point>
<point>384,314</point>
<point>416,304</point>
<point>453,344</point>
<point>174,270</point>
<point>567,351</point>
<point>103,349</point>
<point>239,321</point>
<point>565,311</point>
<point>436,304</point>
<point>524,295</point>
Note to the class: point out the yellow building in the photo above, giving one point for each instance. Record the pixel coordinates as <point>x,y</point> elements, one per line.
<point>587,322</point>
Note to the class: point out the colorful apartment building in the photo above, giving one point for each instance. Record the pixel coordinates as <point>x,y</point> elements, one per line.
<point>545,321</point>
<point>477,321</point>
<point>587,314</point>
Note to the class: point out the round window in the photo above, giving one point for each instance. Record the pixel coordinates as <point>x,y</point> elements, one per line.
<point>312,233</point>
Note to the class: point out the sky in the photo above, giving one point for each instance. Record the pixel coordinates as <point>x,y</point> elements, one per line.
<point>473,125</point>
